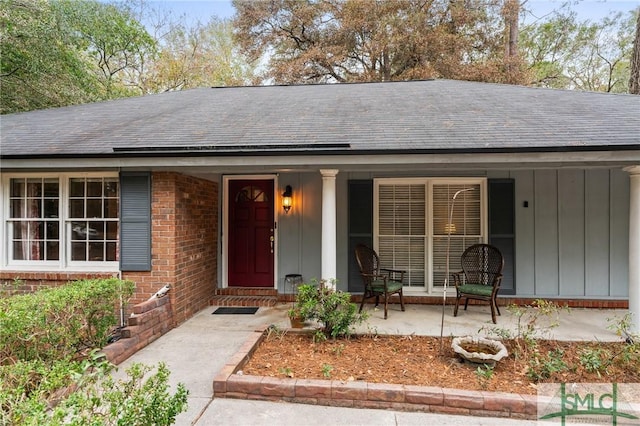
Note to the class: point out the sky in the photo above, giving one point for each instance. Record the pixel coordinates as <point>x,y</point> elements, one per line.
<point>587,9</point>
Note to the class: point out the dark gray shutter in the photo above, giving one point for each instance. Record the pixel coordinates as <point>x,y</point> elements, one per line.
<point>502,230</point>
<point>360,226</point>
<point>135,221</point>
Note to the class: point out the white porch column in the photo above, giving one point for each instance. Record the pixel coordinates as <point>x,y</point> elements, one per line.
<point>329,230</point>
<point>634,247</point>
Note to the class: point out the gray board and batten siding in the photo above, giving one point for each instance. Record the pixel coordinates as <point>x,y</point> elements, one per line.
<point>573,239</point>
<point>570,230</point>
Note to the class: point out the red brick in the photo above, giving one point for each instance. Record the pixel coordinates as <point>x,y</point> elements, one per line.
<point>274,386</point>
<point>341,403</point>
<point>308,401</point>
<point>128,332</point>
<point>495,401</point>
<point>531,404</point>
<point>244,384</point>
<point>238,359</point>
<point>463,398</point>
<point>523,416</point>
<point>306,388</point>
<point>236,395</point>
<point>445,409</point>
<point>348,390</point>
<point>377,405</point>
<point>489,413</point>
<point>385,392</point>
<point>427,395</point>
<point>403,406</point>
<point>220,380</point>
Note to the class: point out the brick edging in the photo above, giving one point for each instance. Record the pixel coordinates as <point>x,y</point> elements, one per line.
<point>358,394</point>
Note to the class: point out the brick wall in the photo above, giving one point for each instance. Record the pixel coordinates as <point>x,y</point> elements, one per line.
<point>184,214</point>
<point>21,282</point>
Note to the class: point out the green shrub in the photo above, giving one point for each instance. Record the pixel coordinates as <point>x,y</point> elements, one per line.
<point>26,387</point>
<point>30,394</point>
<point>532,322</point>
<point>331,308</point>
<point>57,323</point>
<point>44,380</point>
<point>484,374</point>
<point>542,367</point>
<point>595,360</point>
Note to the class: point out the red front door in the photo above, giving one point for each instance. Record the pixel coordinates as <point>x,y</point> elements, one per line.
<point>251,236</point>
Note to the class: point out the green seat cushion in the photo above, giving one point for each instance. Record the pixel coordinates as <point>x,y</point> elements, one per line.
<point>477,289</point>
<point>392,286</point>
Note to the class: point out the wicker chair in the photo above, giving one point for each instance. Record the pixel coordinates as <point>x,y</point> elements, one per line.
<point>480,277</point>
<point>378,281</point>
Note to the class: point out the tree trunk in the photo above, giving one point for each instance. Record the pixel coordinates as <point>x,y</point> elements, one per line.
<point>634,78</point>
<point>511,12</point>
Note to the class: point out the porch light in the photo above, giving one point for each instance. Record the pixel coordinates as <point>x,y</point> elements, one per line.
<point>450,228</point>
<point>287,199</point>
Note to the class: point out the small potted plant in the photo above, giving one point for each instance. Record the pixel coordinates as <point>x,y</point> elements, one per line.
<point>295,317</point>
<point>331,309</point>
<point>304,305</point>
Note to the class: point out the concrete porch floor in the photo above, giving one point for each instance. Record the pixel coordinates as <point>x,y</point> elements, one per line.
<point>573,324</point>
<point>198,349</point>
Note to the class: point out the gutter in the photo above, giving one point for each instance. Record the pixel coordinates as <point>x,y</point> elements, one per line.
<point>298,150</point>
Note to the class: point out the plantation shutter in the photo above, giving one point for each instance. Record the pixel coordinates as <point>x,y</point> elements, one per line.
<point>464,224</point>
<point>135,221</point>
<point>401,230</point>
<point>502,228</point>
<point>360,226</point>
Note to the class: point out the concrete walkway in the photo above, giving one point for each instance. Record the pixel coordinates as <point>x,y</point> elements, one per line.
<point>196,350</point>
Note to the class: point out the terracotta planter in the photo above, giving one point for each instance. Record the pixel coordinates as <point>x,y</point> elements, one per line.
<point>296,322</point>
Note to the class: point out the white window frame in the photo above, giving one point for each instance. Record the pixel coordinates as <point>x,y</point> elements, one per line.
<point>429,182</point>
<point>65,263</point>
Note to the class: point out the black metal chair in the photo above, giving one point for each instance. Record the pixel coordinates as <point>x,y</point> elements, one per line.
<point>378,281</point>
<point>480,277</point>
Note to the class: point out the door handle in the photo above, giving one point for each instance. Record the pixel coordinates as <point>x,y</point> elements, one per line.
<point>271,240</point>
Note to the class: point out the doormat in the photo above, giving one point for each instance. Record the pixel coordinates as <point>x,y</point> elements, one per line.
<point>231,310</point>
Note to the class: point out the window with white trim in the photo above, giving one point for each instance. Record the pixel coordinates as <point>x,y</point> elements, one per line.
<point>93,219</point>
<point>34,224</point>
<point>416,219</point>
<point>62,221</point>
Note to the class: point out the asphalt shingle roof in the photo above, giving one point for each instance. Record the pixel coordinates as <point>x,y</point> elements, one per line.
<point>427,116</point>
